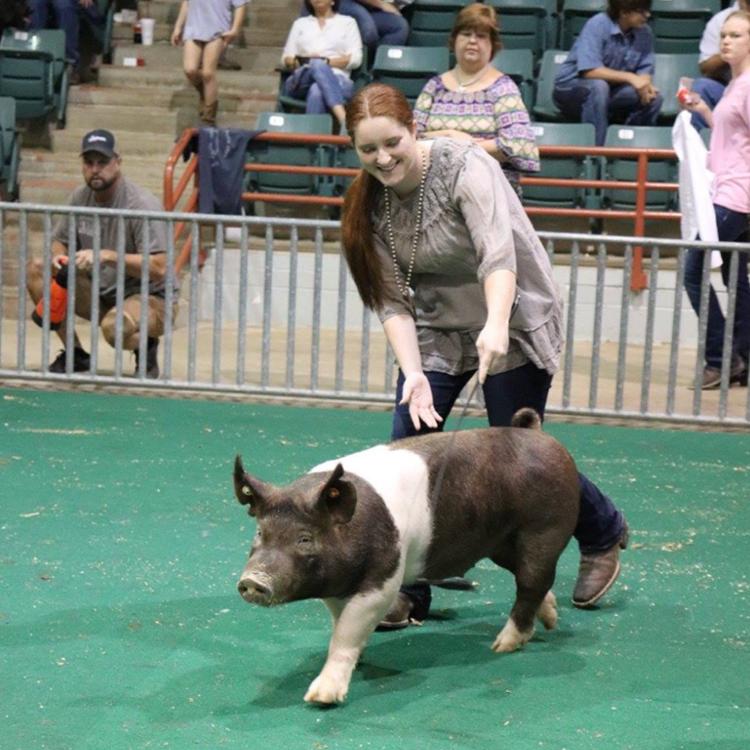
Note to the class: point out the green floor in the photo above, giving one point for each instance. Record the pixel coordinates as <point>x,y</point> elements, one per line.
<point>120,625</point>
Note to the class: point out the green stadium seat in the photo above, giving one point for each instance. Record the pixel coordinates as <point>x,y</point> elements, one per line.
<point>431,21</point>
<point>678,24</point>
<point>668,69</point>
<point>573,17</point>
<point>34,72</point>
<point>544,107</point>
<point>297,155</point>
<point>409,68</point>
<point>582,167</point>
<point>527,24</point>
<point>10,152</point>
<point>617,168</point>
<point>519,65</point>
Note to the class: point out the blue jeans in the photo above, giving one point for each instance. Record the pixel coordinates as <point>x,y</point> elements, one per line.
<point>375,26</point>
<point>732,227</point>
<point>599,103</point>
<point>711,92</point>
<point>599,522</point>
<point>319,86</point>
<point>67,14</point>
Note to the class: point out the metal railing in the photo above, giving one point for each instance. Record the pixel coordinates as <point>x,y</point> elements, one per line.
<point>274,312</point>
<point>182,193</point>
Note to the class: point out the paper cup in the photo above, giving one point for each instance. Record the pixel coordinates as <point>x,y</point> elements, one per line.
<point>147,30</point>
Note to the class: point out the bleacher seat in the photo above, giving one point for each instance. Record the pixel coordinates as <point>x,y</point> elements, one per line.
<point>617,168</point>
<point>678,24</point>
<point>519,65</point>
<point>33,71</point>
<point>581,167</point>
<point>9,149</point>
<point>573,17</point>
<point>668,69</point>
<point>527,24</point>
<point>409,68</point>
<point>286,153</point>
<point>431,21</point>
<point>544,107</point>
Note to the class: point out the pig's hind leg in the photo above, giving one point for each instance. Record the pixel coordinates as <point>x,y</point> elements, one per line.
<point>534,598</point>
<point>354,621</point>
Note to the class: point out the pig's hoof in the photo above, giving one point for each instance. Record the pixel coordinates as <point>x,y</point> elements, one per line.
<point>547,613</point>
<point>510,638</point>
<point>326,692</point>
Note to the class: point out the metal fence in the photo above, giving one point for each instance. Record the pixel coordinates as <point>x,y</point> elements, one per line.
<point>267,308</point>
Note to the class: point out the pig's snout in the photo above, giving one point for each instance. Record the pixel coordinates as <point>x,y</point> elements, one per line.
<point>255,589</point>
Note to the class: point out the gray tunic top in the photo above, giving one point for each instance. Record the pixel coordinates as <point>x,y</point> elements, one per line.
<point>473,224</point>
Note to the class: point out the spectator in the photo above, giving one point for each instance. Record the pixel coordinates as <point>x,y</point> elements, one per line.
<point>14,14</point>
<point>474,101</point>
<point>379,21</point>
<point>67,14</point>
<point>439,245</point>
<point>206,28</point>
<point>716,72</point>
<point>320,50</point>
<point>729,160</point>
<point>106,187</point>
<point>607,76</point>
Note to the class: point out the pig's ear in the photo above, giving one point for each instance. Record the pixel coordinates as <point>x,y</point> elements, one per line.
<point>249,491</point>
<point>338,497</point>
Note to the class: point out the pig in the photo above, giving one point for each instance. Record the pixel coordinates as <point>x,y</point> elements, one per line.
<point>353,530</point>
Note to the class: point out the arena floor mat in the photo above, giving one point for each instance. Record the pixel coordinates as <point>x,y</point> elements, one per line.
<point>121,627</point>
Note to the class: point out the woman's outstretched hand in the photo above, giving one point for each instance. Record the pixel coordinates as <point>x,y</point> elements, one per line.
<point>418,394</point>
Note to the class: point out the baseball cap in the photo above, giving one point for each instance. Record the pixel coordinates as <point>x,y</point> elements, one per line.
<point>100,141</point>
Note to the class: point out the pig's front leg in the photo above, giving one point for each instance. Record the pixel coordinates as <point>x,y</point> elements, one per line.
<point>354,620</point>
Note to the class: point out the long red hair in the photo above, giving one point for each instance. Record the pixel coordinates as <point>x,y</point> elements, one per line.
<point>375,100</point>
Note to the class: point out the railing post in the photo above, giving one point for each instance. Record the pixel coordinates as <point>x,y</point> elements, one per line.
<point>638,279</point>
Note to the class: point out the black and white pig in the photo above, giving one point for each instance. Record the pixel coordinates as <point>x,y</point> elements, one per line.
<point>352,530</point>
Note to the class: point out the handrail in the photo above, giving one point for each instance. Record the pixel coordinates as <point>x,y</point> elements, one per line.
<point>174,194</point>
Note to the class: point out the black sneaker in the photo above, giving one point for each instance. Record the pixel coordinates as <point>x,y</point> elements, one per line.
<point>81,361</point>
<point>152,364</point>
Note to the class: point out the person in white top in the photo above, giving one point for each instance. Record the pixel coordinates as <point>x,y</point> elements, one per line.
<point>320,51</point>
<point>715,72</point>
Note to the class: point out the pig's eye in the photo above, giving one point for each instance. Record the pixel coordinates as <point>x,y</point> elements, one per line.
<point>304,539</point>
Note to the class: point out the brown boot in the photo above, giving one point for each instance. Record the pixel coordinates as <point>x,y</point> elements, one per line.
<point>597,572</point>
<point>208,114</point>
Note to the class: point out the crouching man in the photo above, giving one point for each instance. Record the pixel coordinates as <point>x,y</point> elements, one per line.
<point>106,187</point>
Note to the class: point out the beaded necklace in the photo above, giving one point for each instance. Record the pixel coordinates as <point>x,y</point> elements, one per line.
<point>463,86</point>
<point>404,284</point>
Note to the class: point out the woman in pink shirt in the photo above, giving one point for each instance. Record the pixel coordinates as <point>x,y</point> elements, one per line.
<point>729,160</point>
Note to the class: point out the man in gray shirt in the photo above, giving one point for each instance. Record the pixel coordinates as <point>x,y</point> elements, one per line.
<point>141,241</point>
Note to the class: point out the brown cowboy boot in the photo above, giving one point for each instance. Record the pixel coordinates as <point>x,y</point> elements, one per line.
<point>208,114</point>
<point>597,572</point>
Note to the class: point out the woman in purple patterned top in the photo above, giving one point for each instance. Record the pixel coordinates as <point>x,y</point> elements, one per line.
<point>475,101</point>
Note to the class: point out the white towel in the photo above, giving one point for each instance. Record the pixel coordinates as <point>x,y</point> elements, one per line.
<point>695,179</point>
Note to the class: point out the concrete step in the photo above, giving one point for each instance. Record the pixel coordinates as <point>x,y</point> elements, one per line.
<point>251,34</point>
<point>229,81</point>
<point>279,13</point>
<point>254,61</point>
<point>116,118</point>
